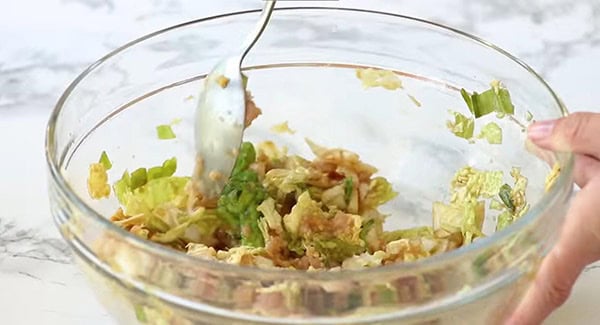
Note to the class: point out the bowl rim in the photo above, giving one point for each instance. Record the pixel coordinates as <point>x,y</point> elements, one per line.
<point>563,184</point>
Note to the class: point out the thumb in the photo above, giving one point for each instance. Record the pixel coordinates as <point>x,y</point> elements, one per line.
<point>578,133</point>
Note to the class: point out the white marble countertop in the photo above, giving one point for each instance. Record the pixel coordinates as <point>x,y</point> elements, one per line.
<point>45,44</point>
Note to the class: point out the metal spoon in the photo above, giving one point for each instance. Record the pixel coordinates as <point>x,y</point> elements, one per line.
<point>220,115</point>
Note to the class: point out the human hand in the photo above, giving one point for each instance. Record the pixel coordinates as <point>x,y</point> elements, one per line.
<point>579,241</point>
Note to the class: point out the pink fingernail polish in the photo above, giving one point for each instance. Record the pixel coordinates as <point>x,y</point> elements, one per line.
<point>541,130</point>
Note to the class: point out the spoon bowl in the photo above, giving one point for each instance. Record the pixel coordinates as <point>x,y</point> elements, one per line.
<point>219,127</point>
<point>219,123</point>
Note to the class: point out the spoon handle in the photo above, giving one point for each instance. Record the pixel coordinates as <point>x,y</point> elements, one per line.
<point>259,28</point>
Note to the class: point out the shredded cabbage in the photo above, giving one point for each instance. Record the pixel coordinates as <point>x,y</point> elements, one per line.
<point>98,187</point>
<point>492,133</point>
<point>379,78</point>
<point>462,126</point>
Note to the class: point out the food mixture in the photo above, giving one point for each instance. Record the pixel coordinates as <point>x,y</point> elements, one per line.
<point>319,212</point>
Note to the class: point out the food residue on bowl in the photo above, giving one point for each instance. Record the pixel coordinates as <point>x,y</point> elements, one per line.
<point>165,132</point>
<point>97,182</point>
<point>379,78</point>
<point>223,81</point>
<point>283,127</point>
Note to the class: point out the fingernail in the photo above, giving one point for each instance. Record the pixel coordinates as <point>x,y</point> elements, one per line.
<point>541,130</point>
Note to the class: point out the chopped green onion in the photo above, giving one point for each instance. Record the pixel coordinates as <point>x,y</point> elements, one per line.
<point>483,103</point>
<point>122,186</point>
<point>348,187</point>
<point>462,126</point>
<point>506,104</point>
<point>244,80</point>
<point>105,161</point>
<point>414,100</point>
<point>505,196</point>
<point>165,132</point>
<point>467,97</point>
<point>139,177</point>
<point>246,156</point>
<point>240,198</point>
<point>528,116</point>
<point>140,314</point>
<point>155,172</point>
<point>366,227</point>
<point>496,99</point>
<point>167,169</point>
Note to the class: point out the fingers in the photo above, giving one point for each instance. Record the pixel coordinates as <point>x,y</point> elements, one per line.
<point>579,242</point>
<point>578,245</point>
<point>586,169</point>
<point>551,288</point>
<point>578,132</point>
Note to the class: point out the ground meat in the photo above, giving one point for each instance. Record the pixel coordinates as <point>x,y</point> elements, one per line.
<point>278,251</point>
<point>252,112</point>
<point>336,226</point>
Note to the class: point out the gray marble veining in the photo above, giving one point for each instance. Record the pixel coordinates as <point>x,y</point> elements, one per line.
<point>27,243</point>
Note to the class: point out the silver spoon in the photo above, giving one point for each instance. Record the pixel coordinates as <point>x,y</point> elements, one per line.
<point>220,115</point>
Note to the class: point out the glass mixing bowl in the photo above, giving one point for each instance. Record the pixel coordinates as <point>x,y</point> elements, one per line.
<point>302,71</point>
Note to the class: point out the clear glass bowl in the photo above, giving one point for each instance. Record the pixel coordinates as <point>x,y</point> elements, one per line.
<point>302,71</point>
